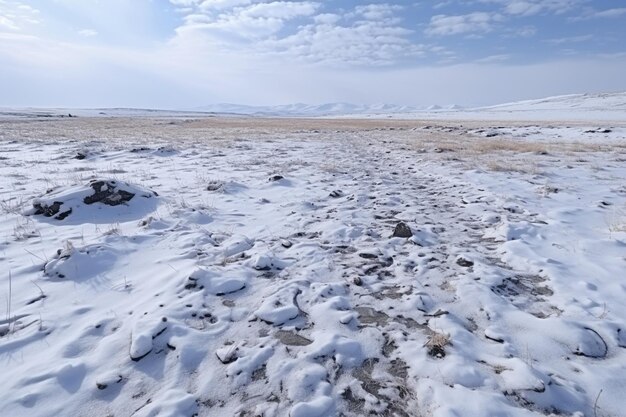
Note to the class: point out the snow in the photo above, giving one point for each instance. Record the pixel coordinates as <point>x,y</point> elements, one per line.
<point>608,107</point>
<point>220,289</point>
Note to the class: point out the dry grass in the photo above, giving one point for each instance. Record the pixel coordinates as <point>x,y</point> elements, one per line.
<point>435,140</point>
<point>616,220</point>
<point>437,343</point>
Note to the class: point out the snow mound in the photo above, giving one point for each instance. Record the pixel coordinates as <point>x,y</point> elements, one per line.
<point>81,264</point>
<point>100,201</point>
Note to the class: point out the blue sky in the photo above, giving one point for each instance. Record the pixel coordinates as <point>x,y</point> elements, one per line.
<point>186,53</point>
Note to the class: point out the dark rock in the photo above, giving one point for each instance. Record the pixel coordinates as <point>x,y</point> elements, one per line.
<point>495,339</point>
<point>402,230</point>
<point>227,356</point>
<point>336,194</point>
<point>52,210</point>
<point>292,339</point>
<point>437,351</point>
<point>140,149</point>
<point>107,192</point>
<point>276,178</point>
<point>80,156</point>
<point>465,263</point>
<point>214,186</point>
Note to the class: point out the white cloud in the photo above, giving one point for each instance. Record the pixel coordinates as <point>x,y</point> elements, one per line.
<point>493,59</point>
<point>246,23</point>
<point>87,33</point>
<point>523,8</point>
<point>7,23</point>
<point>16,16</point>
<point>362,43</point>
<point>377,11</point>
<point>261,51</point>
<point>611,12</point>
<point>591,13</point>
<point>284,10</point>
<point>533,7</point>
<point>526,31</point>
<point>569,39</point>
<point>222,4</point>
<point>369,34</point>
<point>327,18</point>
<point>477,22</point>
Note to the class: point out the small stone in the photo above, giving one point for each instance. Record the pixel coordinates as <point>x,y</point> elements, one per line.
<point>276,177</point>
<point>465,263</point>
<point>402,230</point>
<point>214,186</point>
<point>336,194</point>
<point>227,354</point>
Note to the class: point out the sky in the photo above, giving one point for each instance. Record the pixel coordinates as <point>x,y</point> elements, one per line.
<point>181,54</point>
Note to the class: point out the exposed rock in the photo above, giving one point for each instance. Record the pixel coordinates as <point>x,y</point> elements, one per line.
<point>402,230</point>
<point>52,210</point>
<point>215,186</point>
<point>292,339</point>
<point>60,203</point>
<point>107,192</point>
<point>465,263</point>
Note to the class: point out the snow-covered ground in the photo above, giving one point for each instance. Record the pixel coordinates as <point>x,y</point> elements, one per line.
<point>248,267</point>
<point>573,107</point>
<point>605,107</point>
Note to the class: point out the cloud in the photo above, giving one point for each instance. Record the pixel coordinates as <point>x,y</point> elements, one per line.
<point>569,39</point>
<point>525,8</point>
<point>222,4</point>
<point>591,13</point>
<point>477,22</point>
<point>610,13</point>
<point>377,11</point>
<point>493,59</point>
<point>267,52</point>
<point>246,23</point>
<point>361,43</point>
<point>527,31</point>
<point>327,18</point>
<point>87,33</point>
<point>16,16</point>
<point>371,34</point>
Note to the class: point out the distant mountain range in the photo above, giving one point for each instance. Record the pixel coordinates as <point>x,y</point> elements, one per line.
<point>593,106</point>
<point>327,109</point>
<point>572,102</point>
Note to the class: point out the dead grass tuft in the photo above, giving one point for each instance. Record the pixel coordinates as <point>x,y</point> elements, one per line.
<point>436,344</point>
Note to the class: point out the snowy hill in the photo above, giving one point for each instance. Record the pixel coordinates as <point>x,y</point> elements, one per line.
<point>591,102</point>
<point>573,107</point>
<point>301,109</point>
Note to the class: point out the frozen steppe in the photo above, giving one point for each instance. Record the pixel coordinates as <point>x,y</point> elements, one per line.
<point>204,266</point>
